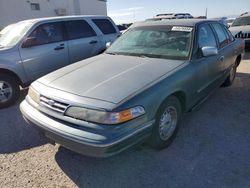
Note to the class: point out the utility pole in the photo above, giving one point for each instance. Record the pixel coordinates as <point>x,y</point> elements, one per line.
<point>206,13</point>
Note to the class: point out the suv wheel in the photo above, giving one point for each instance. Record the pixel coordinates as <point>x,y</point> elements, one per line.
<point>9,90</point>
<point>167,120</point>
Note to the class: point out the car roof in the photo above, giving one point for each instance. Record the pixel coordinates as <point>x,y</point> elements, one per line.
<point>177,22</point>
<point>60,18</point>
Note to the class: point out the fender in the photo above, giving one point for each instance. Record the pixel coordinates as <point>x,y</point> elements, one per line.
<point>16,68</point>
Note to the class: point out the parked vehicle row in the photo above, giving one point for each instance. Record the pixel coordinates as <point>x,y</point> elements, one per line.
<point>137,90</point>
<point>170,16</point>
<point>33,48</point>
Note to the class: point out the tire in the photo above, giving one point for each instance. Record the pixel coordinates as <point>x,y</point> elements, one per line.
<point>9,90</point>
<point>230,79</point>
<point>164,132</point>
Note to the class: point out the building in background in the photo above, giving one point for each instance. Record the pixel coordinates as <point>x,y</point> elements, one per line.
<point>12,11</point>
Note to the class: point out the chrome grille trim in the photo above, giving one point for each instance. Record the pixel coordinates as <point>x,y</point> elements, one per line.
<point>53,104</point>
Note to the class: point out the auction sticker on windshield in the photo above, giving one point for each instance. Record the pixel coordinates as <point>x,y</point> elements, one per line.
<point>180,28</point>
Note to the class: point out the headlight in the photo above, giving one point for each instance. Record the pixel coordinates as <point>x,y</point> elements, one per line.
<point>34,95</point>
<point>103,117</point>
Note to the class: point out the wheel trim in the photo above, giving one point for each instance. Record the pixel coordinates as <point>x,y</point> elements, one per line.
<point>168,123</point>
<point>6,91</point>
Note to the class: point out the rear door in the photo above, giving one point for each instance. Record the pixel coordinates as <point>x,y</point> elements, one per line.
<point>48,54</point>
<point>82,40</point>
<point>225,48</point>
<point>107,28</point>
<point>228,49</point>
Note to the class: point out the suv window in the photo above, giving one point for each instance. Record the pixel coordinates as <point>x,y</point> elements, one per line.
<point>206,36</point>
<point>221,35</point>
<point>79,29</point>
<point>105,26</point>
<point>241,21</point>
<point>48,33</point>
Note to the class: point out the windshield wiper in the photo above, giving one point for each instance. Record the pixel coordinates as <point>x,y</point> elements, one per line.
<point>111,53</point>
<point>143,56</point>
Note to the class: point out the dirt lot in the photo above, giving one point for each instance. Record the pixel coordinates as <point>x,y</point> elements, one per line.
<point>212,150</point>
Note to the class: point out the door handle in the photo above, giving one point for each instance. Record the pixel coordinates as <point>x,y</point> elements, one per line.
<point>93,42</point>
<point>222,58</point>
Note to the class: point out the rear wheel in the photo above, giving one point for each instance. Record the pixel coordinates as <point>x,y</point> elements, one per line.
<point>230,79</point>
<point>166,125</point>
<point>9,90</point>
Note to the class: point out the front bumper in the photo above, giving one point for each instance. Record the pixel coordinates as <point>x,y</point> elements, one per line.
<point>86,142</point>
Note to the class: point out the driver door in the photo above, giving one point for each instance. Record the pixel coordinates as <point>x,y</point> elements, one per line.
<point>207,69</point>
<point>48,53</point>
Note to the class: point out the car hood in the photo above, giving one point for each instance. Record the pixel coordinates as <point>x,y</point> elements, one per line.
<point>110,78</point>
<point>237,29</point>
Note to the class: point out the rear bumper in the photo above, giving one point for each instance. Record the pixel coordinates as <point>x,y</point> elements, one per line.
<point>100,146</point>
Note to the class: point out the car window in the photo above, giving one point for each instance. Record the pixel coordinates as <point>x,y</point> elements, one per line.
<point>165,42</point>
<point>221,35</point>
<point>48,33</point>
<point>229,34</point>
<point>206,37</point>
<point>79,29</point>
<point>241,21</point>
<point>105,26</point>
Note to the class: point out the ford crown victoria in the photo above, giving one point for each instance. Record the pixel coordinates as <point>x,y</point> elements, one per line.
<point>137,90</point>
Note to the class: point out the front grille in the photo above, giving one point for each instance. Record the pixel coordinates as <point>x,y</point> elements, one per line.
<point>242,35</point>
<point>53,104</point>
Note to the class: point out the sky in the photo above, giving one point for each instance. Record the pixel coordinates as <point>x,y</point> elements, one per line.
<point>126,11</point>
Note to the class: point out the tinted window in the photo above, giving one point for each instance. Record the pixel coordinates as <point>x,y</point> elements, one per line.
<point>105,26</point>
<point>221,34</point>
<point>206,37</point>
<point>79,29</point>
<point>48,33</point>
<point>241,21</point>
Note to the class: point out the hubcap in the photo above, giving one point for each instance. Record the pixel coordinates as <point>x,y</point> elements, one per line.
<point>168,123</point>
<point>5,91</point>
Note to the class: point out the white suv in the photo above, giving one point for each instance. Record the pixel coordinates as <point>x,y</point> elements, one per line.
<point>241,28</point>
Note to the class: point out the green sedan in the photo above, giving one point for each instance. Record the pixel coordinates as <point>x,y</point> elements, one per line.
<point>137,90</point>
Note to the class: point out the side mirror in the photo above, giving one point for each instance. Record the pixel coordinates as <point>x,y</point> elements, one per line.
<point>29,42</point>
<point>209,51</point>
<point>108,44</point>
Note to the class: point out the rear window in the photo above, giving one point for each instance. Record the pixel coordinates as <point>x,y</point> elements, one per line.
<point>79,29</point>
<point>221,35</point>
<point>105,26</point>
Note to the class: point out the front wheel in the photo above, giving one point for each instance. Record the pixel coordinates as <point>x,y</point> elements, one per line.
<point>9,90</point>
<point>167,121</point>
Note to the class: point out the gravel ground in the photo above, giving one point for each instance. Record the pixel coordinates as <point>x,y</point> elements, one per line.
<point>211,150</point>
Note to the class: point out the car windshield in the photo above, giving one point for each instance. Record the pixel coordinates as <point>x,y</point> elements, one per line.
<point>168,42</point>
<point>242,21</point>
<point>11,34</point>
